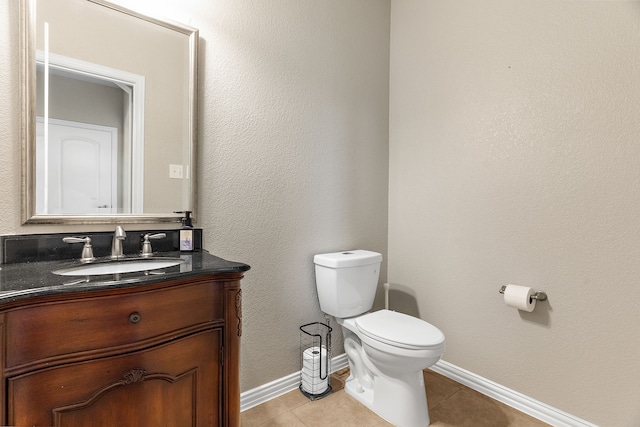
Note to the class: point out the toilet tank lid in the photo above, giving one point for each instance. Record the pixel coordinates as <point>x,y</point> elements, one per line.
<point>344,259</point>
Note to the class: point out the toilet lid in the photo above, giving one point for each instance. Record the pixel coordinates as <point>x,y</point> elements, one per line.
<point>400,330</point>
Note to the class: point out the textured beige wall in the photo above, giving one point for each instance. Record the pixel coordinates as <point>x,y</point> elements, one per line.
<point>514,158</point>
<point>9,119</point>
<point>294,154</point>
<point>293,149</point>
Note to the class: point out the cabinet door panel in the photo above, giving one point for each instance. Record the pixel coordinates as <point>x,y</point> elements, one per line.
<point>109,406</point>
<point>176,384</point>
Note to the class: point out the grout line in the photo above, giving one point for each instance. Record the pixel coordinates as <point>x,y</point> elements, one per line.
<point>444,380</point>
<point>446,399</point>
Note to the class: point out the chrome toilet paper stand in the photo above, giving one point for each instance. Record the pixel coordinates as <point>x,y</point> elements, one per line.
<point>538,295</point>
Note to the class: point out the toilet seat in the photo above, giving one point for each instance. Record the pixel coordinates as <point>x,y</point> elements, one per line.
<point>399,330</point>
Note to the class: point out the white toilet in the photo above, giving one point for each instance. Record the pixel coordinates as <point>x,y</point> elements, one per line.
<point>387,351</point>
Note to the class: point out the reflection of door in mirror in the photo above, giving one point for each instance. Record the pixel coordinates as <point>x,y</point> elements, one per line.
<point>78,91</point>
<point>78,170</point>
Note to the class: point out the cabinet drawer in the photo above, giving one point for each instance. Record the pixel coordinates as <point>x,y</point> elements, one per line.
<point>105,324</point>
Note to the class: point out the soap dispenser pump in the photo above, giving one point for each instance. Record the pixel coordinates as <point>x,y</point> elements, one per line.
<point>186,232</point>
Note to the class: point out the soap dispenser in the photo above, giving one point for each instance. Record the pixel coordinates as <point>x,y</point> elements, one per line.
<point>186,232</point>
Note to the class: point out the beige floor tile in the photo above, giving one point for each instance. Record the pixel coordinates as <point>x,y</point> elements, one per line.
<point>434,374</point>
<point>285,420</point>
<point>338,409</point>
<point>439,388</point>
<point>260,414</point>
<point>467,408</point>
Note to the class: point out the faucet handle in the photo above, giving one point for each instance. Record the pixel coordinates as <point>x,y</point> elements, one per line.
<point>146,244</point>
<point>87,249</point>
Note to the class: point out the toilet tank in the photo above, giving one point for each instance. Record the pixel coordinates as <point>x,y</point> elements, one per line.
<point>347,281</point>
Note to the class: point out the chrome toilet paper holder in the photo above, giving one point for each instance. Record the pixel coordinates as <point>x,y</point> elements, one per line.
<point>538,295</point>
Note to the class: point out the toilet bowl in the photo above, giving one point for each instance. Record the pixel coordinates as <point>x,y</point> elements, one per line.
<point>387,351</point>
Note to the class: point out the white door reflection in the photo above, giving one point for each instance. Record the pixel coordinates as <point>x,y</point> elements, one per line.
<point>77,169</point>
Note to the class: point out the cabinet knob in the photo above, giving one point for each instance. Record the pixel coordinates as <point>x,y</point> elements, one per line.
<point>135,317</point>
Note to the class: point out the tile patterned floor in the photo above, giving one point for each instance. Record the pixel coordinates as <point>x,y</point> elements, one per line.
<point>450,405</point>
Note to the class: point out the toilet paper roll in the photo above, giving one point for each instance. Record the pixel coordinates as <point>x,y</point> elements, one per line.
<point>313,384</point>
<point>520,297</point>
<point>314,368</point>
<point>314,353</point>
<point>313,358</point>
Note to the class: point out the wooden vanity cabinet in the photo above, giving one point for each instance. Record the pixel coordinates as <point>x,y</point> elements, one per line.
<point>160,354</point>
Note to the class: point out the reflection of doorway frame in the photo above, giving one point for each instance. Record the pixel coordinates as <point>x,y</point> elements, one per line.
<point>133,142</point>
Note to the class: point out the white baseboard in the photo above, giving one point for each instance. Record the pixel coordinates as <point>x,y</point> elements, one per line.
<point>535,408</point>
<point>266,392</point>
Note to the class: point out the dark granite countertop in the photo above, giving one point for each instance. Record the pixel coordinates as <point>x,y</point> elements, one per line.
<point>30,279</point>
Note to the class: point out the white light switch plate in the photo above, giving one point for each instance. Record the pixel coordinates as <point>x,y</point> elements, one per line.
<point>175,171</point>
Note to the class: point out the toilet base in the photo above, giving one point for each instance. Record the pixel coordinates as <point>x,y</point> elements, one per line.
<point>402,401</point>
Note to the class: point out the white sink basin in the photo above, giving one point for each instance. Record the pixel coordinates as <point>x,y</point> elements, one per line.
<point>131,265</point>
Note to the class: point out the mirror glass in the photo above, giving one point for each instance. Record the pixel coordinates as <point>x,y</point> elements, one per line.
<point>109,114</point>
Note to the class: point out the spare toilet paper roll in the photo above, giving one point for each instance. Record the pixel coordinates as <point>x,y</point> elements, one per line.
<point>314,361</point>
<point>314,354</point>
<point>520,297</point>
<point>315,387</point>
<point>314,384</point>
<point>314,369</point>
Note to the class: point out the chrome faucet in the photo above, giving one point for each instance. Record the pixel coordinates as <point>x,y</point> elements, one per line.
<point>116,245</point>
